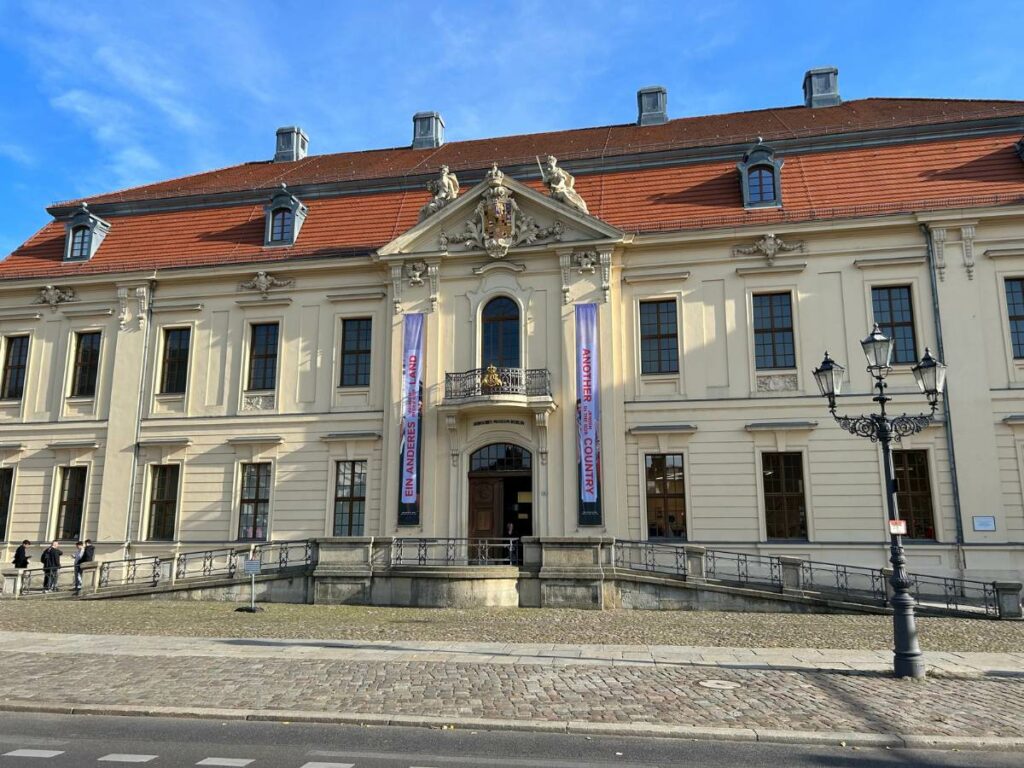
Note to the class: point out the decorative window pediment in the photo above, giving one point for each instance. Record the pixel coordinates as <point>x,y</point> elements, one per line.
<point>285,214</point>
<point>761,177</point>
<point>84,232</point>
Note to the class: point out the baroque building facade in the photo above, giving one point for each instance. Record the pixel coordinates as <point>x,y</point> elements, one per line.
<point>465,340</point>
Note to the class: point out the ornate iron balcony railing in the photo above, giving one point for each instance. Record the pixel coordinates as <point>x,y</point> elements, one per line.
<point>482,382</point>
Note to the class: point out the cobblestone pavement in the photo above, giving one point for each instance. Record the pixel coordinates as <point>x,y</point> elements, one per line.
<point>321,677</point>
<point>700,628</point>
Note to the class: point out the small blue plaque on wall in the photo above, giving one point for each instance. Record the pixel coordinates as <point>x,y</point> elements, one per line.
<point>984,523</point>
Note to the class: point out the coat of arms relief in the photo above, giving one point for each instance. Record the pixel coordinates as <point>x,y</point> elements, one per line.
<point>498,223</point>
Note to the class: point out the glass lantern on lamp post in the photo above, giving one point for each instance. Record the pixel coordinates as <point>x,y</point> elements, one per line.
<point>930,375</point>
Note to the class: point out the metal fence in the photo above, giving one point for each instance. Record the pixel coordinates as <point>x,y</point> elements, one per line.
<point>41,581</point>
<point>654,557</point>
<point>846,580</point>
<point>417,551</point>
<point>963,595</point>
<point>497,381</point>
<point>136,571</point>
<point>207,562</point>
<point>281,555</point>
<point>741,568</point>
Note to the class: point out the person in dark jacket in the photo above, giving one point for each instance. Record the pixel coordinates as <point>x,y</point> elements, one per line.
<point>21,555</point>
<point>51,565</point>
<point>89,553</point>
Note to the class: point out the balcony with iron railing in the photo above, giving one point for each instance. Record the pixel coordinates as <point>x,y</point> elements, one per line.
<point>524,387</point>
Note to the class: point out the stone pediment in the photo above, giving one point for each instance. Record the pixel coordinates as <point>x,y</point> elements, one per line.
<point>497,217</point>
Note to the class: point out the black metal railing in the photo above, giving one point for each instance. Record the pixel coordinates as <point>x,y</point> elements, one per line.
<point>417,551</point>
<point>141,571</point>
<point>741,568</point>
<point>651,556</point>
<point>847,580</point>
<point>484,382</point>
<point>953,594</point>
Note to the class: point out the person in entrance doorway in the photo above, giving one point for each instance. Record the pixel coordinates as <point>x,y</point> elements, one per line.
<point>51,566</point>
<point>21,555</point>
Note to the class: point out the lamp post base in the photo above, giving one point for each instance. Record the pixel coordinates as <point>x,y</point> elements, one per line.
<point>908,664</point>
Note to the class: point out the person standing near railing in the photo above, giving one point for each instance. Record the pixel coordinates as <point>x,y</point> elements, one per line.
<point>21,555</point>
<point>79,554</point>
<point>51,565</point>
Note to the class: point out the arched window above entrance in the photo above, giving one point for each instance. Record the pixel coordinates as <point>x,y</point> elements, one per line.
<point>500,457</point>
<point>499,337</point>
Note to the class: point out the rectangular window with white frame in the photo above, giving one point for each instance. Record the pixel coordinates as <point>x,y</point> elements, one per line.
<point>356,343</point>
<point>785,503</point>
<point>71,505</point>
<point>350,498</point>
<point>6,496</point>
<point>86,364</point>
<point>174,366</point>
<point>774,347</point>
<point>163,501</point>
<point>254,502</point>
<point>666,496</point>
<point>263,357</point>
<point>659,337</point>
<point>914,493</point>
<point>893,309</point>
<point>1015,312</point>
<point>12,386</point>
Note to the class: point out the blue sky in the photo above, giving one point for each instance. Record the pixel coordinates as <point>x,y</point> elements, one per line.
<point>104,95</point>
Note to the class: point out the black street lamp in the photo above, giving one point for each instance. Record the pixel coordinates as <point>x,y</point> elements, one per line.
<point>880,428</point>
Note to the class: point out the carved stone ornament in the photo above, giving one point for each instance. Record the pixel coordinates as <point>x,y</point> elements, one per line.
<point>586,262</point>
<point>777,382</point>
<point>445,188</point>
<point>939,249</point>
<point>498,224</point>
<point>263,282</point>
<point>561,184</point>
<point>263,402</point>
<point>769,246</point>
<point>967,245</point>
<point>415,271</point>
<point>122,314</point>
<point>53,296</point>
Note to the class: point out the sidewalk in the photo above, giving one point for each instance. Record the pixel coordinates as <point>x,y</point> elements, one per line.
<point>970,700</point>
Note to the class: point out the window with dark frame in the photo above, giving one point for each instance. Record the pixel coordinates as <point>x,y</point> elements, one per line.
<point>785,510</point>
<point>254,502</point>
<point>72,503</point>
<point>350,498</point>
<point>6,486</point>
<point>894,313</point>
<point>15,362</point>
<point>1015,310</point>
<point>163,502</point>
<point>500,334</point>
<point>175,364</point>
<point>666,496</point>
<point>87,364</point>
<point>282,225</point>
<point>659,340</point>
<point>356,340</point>
<point>80,237</point>
<point>263,357</point>
<point>914,493</point>
<point>761,185</point>
<point>773,331</point>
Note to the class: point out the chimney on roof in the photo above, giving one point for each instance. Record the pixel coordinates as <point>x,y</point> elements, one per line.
<point>292,144</point>
<point>427,130</point>
<point>652,105</point>
<point>821,87</point>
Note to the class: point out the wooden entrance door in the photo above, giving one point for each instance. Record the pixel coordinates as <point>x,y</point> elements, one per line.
<point>486,507</point>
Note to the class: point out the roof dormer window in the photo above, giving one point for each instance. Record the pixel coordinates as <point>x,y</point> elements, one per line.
<point>80,237</point>
<point>282,224</point>
<point>285,215</point>
<point>84,234</point>
<point>760,177</point>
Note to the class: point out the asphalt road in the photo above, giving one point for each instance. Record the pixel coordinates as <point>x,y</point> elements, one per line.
<point>81,740</point>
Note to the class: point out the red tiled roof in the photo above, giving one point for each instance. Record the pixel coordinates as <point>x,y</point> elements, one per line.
<point>905,177</point>
<point>710,130</point>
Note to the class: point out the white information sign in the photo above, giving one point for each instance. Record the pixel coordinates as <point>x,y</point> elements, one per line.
<point>252,566</point>
<point>984,522</point>
<point>897,527</point>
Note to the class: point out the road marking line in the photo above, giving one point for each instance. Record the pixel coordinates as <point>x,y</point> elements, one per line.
<point>122,758</point>
<point>329,765</point>
<point>227,762</point>
<point>34,753</point>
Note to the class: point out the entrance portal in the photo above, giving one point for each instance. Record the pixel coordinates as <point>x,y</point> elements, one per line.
<point>500,492</point>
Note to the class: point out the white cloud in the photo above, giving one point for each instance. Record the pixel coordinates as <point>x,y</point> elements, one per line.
<point>18,154</point>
